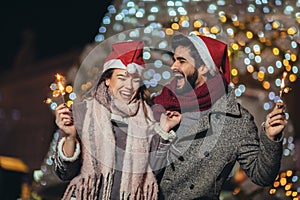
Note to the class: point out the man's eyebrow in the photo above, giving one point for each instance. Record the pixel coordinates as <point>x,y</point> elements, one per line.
<point>180,58</point>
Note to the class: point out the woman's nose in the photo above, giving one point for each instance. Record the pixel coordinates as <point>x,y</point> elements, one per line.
<point>128,84</point>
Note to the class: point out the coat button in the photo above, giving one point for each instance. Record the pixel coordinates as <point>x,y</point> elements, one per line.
<point>192,186</point>
<point>167,180</point>
<point>206,153</point>
<point>181,158</point>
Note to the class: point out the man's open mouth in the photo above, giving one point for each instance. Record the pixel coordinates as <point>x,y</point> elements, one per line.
<point>180,79</point>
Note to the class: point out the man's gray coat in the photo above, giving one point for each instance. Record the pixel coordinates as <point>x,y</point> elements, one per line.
<point>203,157</point>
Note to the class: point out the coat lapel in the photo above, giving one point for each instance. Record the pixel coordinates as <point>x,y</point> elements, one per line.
<point>226,105</point>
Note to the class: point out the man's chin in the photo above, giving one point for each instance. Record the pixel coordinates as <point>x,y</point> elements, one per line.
<point>179,90</point>
<point>184,89</point>
<point>182,86</point>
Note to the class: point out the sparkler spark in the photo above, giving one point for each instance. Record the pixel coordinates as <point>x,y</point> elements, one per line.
<point>61,85</point>
<point>48,101</point>
<point>283,89</point>
<point>57,88</point>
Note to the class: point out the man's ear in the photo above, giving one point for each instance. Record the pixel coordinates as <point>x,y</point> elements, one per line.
<point>203,70</point>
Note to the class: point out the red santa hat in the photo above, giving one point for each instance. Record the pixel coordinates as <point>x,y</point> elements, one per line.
<point>126,55</point>
<point>213,53</point>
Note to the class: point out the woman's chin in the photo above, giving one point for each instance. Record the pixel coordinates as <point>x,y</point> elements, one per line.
<point>124,98</point>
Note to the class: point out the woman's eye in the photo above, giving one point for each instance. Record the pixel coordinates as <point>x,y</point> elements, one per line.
<point>137,80</point>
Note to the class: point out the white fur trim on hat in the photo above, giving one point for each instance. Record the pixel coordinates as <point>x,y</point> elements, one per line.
<point>61,153</point>
<point>117,63</point>
<point>203,51</point>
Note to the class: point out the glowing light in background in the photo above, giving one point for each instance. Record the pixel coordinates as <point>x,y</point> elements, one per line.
<point>261,47</point>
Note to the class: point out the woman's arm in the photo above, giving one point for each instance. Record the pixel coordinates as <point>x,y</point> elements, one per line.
<point>67,158</point>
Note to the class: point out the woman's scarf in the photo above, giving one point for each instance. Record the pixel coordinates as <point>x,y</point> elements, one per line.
<point>99,148</point>
<point>198,99</point>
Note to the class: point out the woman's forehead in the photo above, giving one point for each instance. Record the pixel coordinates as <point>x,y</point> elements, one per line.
<point>124,72</point>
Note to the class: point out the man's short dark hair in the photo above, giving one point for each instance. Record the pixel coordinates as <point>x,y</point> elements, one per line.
<point>181,40</point>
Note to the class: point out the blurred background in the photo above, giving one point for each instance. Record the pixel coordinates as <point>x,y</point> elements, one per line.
<point>38,41</point>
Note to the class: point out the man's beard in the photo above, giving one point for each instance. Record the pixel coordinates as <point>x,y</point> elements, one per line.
<point>190,82</point>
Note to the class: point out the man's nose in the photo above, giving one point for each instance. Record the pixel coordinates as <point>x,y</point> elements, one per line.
<point>174,65</point>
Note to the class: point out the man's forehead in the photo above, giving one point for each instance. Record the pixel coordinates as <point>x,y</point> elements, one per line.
<point>182,49</point>
<point>182,52</point>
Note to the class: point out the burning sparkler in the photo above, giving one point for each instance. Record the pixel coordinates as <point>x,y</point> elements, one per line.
<point>61,86</point>
<point>283,88</point>
<point>58,89</point>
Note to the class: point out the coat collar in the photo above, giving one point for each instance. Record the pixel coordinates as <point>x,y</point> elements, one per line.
<point>226,105</point>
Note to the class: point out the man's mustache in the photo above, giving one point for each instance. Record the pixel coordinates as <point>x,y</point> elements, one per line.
<point>176,72</point>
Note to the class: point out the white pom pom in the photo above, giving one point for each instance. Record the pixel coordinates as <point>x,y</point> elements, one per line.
<point>131,68</point>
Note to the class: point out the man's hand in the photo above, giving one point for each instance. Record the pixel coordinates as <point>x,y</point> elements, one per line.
<point>275,121</point>
<point>169,119</point>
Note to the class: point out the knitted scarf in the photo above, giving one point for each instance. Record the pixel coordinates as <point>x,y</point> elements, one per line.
<point>198,99</point>
<point>99,149</point>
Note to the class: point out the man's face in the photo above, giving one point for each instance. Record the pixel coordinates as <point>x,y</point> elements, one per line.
<point>184,69</point>
<point>123,85</point>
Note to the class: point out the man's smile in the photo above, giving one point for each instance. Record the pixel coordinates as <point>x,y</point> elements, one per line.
<point>180,79</point>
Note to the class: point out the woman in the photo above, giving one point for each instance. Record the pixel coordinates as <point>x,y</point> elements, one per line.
<point>105,152</point>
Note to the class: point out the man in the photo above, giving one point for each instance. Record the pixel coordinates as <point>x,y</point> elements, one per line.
<point>215,131</point>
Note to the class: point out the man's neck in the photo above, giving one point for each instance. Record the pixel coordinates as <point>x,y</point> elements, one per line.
<point>200,82</point>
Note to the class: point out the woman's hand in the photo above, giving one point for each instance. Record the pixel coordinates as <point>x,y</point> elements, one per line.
<point>169,120</point>
<point>65,122</point>
<point>275,121</point>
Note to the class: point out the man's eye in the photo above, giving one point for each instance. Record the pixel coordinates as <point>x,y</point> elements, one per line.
<point>122,79</point>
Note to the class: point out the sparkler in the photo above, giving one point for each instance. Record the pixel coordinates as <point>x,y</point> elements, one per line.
<point>58,89</point>
<point>283,88</point>
<point>61,86</point>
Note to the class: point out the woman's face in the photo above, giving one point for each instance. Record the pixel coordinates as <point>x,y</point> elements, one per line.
<point>123,85</point>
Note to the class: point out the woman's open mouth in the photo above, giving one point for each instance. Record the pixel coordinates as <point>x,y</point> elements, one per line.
<point>126,95</point>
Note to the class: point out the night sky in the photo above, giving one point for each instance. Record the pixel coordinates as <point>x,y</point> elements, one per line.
<point>59,26</point>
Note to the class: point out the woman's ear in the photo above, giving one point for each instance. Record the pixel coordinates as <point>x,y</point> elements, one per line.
<point>107,82</point>
<point>203,70</point>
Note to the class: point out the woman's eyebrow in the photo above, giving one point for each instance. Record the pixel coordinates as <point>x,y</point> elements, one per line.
<point>122,75</point>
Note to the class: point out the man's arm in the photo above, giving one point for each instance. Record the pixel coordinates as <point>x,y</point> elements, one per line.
<point>259,157</point>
